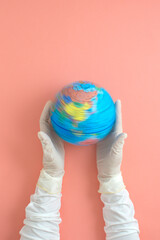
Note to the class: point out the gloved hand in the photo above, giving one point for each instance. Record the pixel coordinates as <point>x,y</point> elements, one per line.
<point>53,153</point>
<point>109,153</point>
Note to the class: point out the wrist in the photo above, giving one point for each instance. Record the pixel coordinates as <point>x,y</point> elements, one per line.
<point>53,172</point>
<point>50,184</point>
<point>112,184</point>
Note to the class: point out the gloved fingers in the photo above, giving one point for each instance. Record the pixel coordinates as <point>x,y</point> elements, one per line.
<point>118,143</point>
<point>45,121</point>
<point>53,144</point>
<point>45,140</point>
<point>45,116</point>
<point>58,143</point>
<point>118,123</point>
<point>53,159</point>
<point>47,128</point>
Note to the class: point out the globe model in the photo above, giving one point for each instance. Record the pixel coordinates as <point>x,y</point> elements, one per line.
<point>83,113</point>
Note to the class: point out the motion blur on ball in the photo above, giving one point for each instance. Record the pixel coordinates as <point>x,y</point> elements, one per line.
<point>83,113</point>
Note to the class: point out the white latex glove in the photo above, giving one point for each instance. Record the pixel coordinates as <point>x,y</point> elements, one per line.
<point>53,153</point>
<point>109,157</point>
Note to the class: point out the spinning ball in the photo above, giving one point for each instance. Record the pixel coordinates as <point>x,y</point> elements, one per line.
<point>83,113</point>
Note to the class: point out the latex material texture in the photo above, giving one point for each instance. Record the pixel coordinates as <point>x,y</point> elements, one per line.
<point>53,153</point>
<point>109,153</point>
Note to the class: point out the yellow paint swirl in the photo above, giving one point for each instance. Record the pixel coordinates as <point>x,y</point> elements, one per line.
<point>78,113</point>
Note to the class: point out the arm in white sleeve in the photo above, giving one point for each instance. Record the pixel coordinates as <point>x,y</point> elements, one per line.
<point>42,213</point>
<point>118,214</point>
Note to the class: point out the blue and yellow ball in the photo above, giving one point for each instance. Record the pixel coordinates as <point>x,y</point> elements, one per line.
<point>83,113</point>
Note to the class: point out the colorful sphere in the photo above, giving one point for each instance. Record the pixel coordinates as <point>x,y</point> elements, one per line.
<point>83,113</point>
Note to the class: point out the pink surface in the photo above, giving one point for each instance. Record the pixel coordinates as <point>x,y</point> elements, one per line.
<point>46,44</point>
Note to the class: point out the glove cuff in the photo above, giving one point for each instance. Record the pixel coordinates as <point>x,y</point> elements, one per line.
<point>112,185</point>
<point>52,185</point>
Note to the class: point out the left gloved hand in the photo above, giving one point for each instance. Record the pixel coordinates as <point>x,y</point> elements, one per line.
<point>109,157</point>
<point>53,153</point>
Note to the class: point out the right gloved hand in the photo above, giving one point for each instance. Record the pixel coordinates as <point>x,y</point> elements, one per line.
<point>109,156</point>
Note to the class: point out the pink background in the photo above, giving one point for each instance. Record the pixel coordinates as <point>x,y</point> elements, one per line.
<point>47,44</point>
